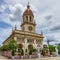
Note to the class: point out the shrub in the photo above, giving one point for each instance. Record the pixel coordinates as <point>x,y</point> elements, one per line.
<point>22,53</point>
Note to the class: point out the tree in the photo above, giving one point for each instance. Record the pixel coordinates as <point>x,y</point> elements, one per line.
<point>13,46</point>
<point>22,52</point>
<point>51,48</point>
<point>32,50</point>
<point>26,50</point>
<point>0,48</point>
<point>58,47</point>
<point>5,47</point>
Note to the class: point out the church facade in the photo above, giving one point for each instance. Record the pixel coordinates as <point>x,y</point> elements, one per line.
<point>27,36</point>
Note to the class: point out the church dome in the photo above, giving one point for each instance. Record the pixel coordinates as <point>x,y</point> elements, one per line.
<point>28,11</point>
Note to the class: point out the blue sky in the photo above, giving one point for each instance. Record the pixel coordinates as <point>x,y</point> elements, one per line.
<point>46,12</point>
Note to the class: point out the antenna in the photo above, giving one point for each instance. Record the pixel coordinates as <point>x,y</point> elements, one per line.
<point>28,6</point>
<point>15,27</point>
<point>28,3</point>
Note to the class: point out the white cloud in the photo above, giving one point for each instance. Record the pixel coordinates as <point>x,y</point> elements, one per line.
<point>16,11</point>
<point>42,10</point>
<point>2,8</point>
<point>4,33</point>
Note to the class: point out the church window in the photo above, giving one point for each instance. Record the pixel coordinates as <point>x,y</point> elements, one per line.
<point>30,40</point>
<point>30,28</point>
<point>30,19</point>
<point>26,18</point>
<point>20,40</point>
<point>38,41</point>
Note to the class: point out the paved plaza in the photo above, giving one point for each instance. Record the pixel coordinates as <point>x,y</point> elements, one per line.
<point>3,58</point>
<point>45,58</point>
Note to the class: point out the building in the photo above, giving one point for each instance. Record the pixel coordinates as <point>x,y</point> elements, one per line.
<point>27,36</point>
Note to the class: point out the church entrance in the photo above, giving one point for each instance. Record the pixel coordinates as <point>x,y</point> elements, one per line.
<point>20,48</point>
<point>30,47</point>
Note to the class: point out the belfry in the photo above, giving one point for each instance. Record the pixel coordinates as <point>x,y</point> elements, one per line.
<point>28,23</point>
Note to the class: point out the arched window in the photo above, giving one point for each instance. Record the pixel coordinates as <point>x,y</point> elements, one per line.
<point>26,18</point>
<point>30,19</point>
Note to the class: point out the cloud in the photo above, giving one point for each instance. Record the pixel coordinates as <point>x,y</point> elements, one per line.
<point>46,14</point>
<point>16,14</point>
<point>2,2</point>
<point>4,25</point>
<point>2,8</point>
<point>48,17</point>
<point>51,38</point>
<point>56,28</point>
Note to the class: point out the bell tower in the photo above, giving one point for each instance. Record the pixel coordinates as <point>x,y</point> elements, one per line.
<point>28,23</point>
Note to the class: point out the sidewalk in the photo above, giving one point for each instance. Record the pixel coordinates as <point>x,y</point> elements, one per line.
<point>3,58</point>
<point>46,58</point>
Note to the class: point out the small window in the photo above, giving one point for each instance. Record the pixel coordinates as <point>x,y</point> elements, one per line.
<point>29,40</point>
<point>30,19</point>
<point>26,18</point>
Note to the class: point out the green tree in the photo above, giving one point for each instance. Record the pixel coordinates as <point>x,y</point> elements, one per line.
<point>13,46</point>
<point>26,50</point>
<point>30,52</point>
<point>51,48</point>
<point>58,47</point>
<point>34,50</point>
<point>22,52</point>
<point>0,48</point>
<point>5,47</point>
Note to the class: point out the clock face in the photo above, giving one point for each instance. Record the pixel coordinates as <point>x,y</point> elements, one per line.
<point>30,28</point>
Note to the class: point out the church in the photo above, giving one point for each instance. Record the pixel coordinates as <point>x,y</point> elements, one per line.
<point>27,37</point>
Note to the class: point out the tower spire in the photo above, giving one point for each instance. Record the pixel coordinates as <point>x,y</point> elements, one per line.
<point>28,6</point>
<point>15,27</point>
<point>28,3</point>
<point>41,32</point>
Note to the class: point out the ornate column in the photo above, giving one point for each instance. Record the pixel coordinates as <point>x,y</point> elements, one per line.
<point>15,38</point>
<point>25,45</point>
<point>56,51</point>
<point>35,45</point>
<point>25,42</point>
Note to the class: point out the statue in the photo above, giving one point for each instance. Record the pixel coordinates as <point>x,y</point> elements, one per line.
<point>56,51</point>
<point>39,53</point>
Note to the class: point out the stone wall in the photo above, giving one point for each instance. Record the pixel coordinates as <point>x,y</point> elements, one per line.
<point>7,54</point>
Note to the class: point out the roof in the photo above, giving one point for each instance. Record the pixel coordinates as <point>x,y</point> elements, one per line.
<point>28,11</point>
<point>23,33</point>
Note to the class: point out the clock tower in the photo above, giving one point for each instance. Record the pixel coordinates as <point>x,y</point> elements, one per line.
<point>28,24</point>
